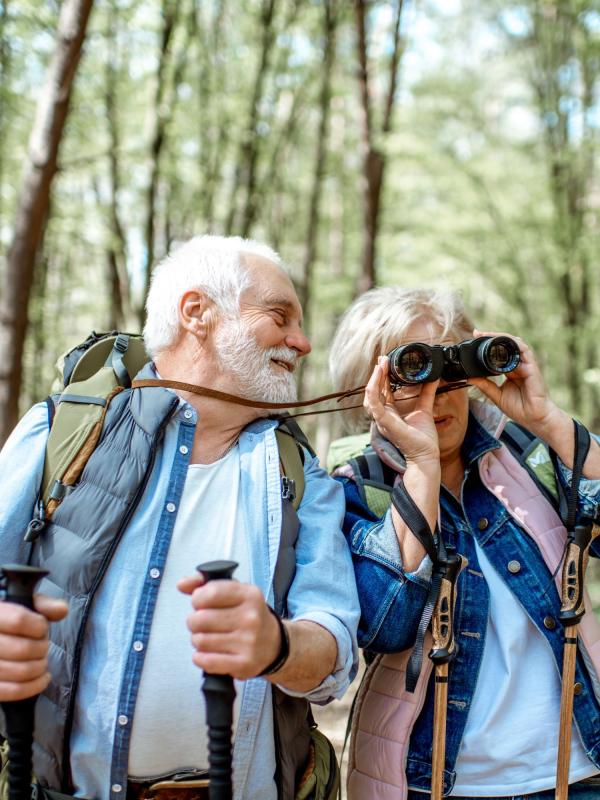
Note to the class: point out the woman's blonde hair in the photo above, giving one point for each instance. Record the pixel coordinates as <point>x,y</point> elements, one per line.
<point>377,322</point>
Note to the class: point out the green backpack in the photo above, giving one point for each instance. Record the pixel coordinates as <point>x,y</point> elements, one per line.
<point>89,376</point>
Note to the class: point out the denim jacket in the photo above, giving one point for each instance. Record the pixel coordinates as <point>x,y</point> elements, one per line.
<point>392,600</point>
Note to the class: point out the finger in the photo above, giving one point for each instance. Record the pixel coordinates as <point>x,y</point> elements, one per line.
<point>225,594</point>
<point>19,621</point>
<point>214,620</point>
<point>216,643</point>
<point>187,585</point>
<point>487,387</point>
<point>225,664</point>
<point>20,648</point>
<point>53,609</point>
<point>22,671</point>
<point>20,691</point>
<point>426,397</point>
<point>372,402</point>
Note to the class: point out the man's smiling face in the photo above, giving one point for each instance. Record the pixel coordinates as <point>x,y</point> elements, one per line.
<point>261,348</point>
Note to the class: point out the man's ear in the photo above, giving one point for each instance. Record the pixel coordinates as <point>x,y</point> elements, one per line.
<point>197,313</point>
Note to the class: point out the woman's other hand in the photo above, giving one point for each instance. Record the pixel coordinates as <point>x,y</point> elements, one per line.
<point>525,399</point>
<point>523,396</point>
<point>412,431</point>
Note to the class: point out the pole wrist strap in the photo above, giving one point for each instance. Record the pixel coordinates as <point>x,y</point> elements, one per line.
<point>434,547</point>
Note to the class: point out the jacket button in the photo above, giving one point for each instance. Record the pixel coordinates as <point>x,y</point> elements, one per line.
<point>578,688</point>
<point>549,623</point>
<point>514,567</point>
<point>482,524</point>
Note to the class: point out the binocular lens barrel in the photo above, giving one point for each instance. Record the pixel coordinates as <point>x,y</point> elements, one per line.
<point>499,354</point>
<point>411,364</point>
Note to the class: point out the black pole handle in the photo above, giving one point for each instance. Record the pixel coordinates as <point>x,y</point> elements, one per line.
<point>219,696</point>
<point>18,583</point>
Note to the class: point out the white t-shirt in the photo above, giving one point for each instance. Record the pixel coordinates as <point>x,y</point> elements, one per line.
<point>208,527</point>
<point>511,737</point>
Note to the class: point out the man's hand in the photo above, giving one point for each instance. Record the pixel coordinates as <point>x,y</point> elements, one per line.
<point>24,646</point>
<point>233,631</point>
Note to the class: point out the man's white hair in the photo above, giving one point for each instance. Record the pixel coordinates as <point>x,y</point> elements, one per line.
<point>377,322</point>
<point>212,264</point>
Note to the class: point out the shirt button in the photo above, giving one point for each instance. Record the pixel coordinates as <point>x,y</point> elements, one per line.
<point>138,646</point>
<point>549,623</point>
<point>482,524</point>
<point>188,414</point>
<point>578,688</point>
<point>183,450</point>
<point>514,567</point>
<point>171,507</point>
<point>116,787</point>
<point>154,573</point>
<point>122,719</point>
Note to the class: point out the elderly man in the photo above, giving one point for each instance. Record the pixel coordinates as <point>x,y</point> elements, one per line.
<point>121,703</point>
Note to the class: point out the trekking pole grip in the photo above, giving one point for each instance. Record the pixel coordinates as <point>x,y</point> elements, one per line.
<point>18,585</point>
<point>442,623</point>
<point>574,569</point>
<point>219,695</point>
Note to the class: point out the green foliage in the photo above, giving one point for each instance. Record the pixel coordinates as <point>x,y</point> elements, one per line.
<point>491,182</point>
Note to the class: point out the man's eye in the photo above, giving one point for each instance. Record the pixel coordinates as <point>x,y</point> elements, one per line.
<point>280,316</point>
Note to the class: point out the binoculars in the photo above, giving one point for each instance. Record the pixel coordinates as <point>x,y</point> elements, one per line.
<point>418,362</point>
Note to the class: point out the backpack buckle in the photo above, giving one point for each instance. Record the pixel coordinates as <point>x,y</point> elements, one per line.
<point>121,343</point>
<point>288,488</point>
<point>36,525</point>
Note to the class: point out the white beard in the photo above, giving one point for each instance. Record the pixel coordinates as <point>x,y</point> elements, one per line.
<point>251,367</point>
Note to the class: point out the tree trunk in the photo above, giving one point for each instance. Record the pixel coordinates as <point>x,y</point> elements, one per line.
<point>116,259</point>
<point>157,139</point>
<point>245,173</point>
<point>373,156</point>
<point>33,203</point>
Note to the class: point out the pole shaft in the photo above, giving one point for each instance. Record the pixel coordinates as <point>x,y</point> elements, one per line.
<point>440,706</point>
<point>566,714</point>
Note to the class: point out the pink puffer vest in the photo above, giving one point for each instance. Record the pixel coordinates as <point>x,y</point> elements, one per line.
<point>385,713</point>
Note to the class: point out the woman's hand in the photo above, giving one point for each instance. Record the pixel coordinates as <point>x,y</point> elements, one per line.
<point>413,433</point>
<point>523,396</point>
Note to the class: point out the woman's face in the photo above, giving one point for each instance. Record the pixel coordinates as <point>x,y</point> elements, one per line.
<point>450,409</point>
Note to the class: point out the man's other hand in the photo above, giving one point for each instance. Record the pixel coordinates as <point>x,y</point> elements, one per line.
<point>24,646</point>
<point>233,630</point>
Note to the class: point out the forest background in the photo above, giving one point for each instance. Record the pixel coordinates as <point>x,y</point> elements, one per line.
<point>437,142</point>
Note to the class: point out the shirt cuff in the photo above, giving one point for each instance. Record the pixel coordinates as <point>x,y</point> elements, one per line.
<point>334,685</point>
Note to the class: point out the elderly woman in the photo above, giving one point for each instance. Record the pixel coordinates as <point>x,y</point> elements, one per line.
<point>444,450</point>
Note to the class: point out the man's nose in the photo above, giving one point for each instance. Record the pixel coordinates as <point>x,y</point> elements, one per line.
<point>298,341</point>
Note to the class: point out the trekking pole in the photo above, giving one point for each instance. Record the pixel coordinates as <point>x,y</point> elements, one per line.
<point>219,694</point>
<point>571,612</point>
<point>18,585</point>
<point>444,650</point>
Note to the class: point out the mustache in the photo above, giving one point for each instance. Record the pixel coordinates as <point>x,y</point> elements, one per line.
<point>283,354</point>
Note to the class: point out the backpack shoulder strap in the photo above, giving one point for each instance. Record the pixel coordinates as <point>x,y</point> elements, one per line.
<point>531,452</point>
<point>291,460</point>
<point>374,481</point>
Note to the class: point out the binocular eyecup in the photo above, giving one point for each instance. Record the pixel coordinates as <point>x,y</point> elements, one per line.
<point>482,357</point>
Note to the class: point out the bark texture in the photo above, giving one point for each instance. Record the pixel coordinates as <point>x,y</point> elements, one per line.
<point>33,203</point>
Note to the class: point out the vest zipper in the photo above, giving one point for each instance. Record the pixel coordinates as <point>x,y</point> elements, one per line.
<point>66,783</point>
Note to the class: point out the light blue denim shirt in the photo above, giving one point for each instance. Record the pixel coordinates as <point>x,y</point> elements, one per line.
<point>323,591</point>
